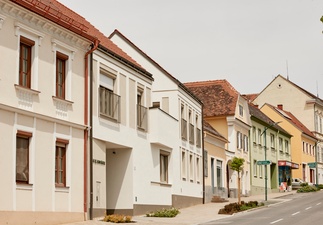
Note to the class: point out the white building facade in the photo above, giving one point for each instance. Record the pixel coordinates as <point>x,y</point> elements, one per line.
<point>41,118</point>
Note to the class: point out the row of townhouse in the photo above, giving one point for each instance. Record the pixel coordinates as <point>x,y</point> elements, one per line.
<point>86,128</point>
<point>91,124</point>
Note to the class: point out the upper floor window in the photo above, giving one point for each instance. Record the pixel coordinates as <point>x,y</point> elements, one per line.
<point>280,144</point>
<point>286,146</point>
<point>183,123</point>
<point>272,141</point>
<point>259,137</point>
<point>141,111</point>
<point>239,140</point>
<point>25,61</point>
<point>198,132</point>
<point>109,101</point>
<point>240,110</point>
<point>60,74</point>
<point>245,143</point>
<point>22,156</point>
<point>191,128</point>
<point>254,135</point>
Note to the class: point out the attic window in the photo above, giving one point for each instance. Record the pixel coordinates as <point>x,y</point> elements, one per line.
<point>240,110</point>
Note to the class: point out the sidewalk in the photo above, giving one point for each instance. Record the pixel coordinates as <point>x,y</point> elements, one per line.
<point>197,214</point>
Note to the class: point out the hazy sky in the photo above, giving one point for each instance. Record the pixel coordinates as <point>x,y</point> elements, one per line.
<point>247,42</point>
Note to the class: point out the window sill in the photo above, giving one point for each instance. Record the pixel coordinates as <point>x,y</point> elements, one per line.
<point>23,186</point>
<point>161,184</point>
<point>62,189</point>
<point>104,116</point>
<point>27,90</point>
<point>64,101</point>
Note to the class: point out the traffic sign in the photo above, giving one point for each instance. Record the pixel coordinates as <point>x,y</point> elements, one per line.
<point>311,164</point>
<point>265,162</point>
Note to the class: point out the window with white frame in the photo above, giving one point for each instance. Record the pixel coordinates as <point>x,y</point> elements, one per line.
<point>183,123</point>
<point>254,135</point>
<point>109,101</point>
<point>255,168</point>
<point>259,137</point>
<point>142,111</point>
<point>240,110</point>
<point>280,144</point>
<point>239,140</point>
<point>219,173</point>
<point>191,127</point>
<point>261,173</point>
<point>286,146</point>
<point>272,141</point>
<point>245,143</point>
<point>184,165</point>
<point>164,158</point>
<point>198,132</point>
<point>191,164</point>
<point>198,170</point>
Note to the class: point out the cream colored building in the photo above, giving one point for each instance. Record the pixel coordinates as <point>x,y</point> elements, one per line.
<point>214,163</point>
<point>227,111</point>
<point>307,107</point>
<point>41,116</point>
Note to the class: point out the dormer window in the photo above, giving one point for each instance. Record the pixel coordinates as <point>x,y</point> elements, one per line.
<point>240,110</point>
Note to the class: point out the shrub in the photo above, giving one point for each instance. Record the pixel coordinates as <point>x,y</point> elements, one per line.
<point>320,186</point>
<point>305,184</point>
<point>307,188</point>
<point>172,212</point>
<point>115,218</point>
<point>235,207</point>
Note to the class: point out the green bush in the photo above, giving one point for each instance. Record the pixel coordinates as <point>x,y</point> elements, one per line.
<point>320,186</point>
<point>307,188</point>
<point>304,184</point>
<point>172,212</point>
<point>235,207</point>
<point>115,218</point>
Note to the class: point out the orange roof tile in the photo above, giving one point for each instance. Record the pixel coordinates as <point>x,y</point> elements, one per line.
<point>218,96</point>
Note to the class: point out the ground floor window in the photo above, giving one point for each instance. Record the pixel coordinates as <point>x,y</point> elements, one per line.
<point>219,173</point>
<point>164,166</point>
<point>60,163</point>
<point>22,156</point>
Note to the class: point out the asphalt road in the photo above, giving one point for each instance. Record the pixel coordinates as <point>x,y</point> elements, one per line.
<point>300,209</point>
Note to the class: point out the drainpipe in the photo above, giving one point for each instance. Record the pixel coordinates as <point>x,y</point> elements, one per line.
<point>86,131</point>
<point>203,155</point>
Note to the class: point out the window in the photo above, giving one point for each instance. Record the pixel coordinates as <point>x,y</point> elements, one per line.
<point>141,112</point>
<point>198,132</point>
<point>272,141</point>
<point>219,173</point>
<point>259,137</point>
<point>184,165</point>
<point>109,102</point>
<point>303,147</point>
<point>286,147</point>
<point>198,170</point>
<point>239,140</point>
<point>245,143</point>
<point>255,168</point>
<point>261,173</point>
<point>22,156</point>
<point>254,135</point>
<point>164,167</point>
<point>191,168</point>
<point>60,74</point>
<point>25,61</point>
<point>191,129</point>
<point>183,124</point>
<point>60,163</point>
<point>240,110</point>
<point>280,144</point>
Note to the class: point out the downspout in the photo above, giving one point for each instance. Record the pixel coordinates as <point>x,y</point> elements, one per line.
<point>86,131</point>
<point>203,155</point>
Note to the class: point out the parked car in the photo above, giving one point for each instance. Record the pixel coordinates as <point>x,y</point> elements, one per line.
<point>296,183</point>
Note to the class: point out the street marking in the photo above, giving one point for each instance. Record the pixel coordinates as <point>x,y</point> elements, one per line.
<point>318,203</point>
<point>308,208</point>
<point>276,221</point>
<point>295,213</point>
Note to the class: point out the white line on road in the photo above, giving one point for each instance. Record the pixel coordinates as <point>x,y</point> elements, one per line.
<point>308,208</point>
<point>276,221</point>
<point>295,213</point>
<point>318,203</point>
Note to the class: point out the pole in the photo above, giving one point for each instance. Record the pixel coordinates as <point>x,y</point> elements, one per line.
<point>265,165</point>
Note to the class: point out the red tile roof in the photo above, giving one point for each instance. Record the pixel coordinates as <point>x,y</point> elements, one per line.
<point>218,96</point>
<point>63,16</point>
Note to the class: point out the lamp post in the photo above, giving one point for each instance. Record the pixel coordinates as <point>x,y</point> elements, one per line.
<point>265,142</point>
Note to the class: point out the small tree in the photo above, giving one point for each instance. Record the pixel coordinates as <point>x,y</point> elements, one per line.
<point>237,165</point>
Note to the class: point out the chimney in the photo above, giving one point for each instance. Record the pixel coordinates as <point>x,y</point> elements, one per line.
<point>280,106</point>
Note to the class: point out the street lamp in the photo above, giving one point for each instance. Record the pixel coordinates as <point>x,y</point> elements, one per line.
<point>264,132</point>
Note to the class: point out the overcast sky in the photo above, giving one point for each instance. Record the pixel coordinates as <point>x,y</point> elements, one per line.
<point>247,42</point>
